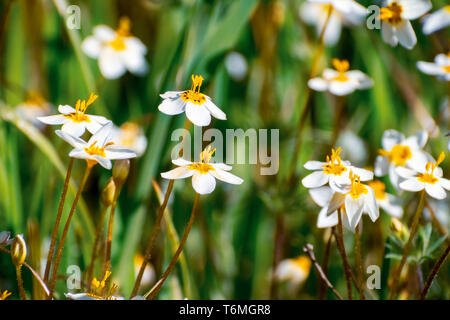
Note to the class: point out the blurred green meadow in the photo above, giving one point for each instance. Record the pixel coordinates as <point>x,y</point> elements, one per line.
<point>242,232</point>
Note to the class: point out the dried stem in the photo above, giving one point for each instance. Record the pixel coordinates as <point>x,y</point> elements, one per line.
<point>434,272</point>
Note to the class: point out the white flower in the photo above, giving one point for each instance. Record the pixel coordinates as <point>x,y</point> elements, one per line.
<point>440,67</point>
<point>398,151</point>
<point>386,201</point>
<point>341,81</point>
<point>198,106</point>
<point>75,121</point>
<point>396,26</point>
<point>334,171</point>
<point>130,135</point>
<point>236,65</point>
<point>203,173</point>
<point>33,107</point>
<point>116,51</point>
<point>438,20</point>
<point>429,178</point>
<point>99,149</point>
<point>343,12</point>
<point>294,270</point>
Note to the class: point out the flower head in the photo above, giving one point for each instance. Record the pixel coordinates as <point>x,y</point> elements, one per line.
<point>396,26</point>
<point>440,67</point>
<point>99,149</point>
<point>198,106</point>
<point>33,107</point>
<point>428,178</point>
<point>438,20</point>
<point>203,173</point>
<point>75,121</point>
<point>340,81</point>
<point>295,270</point>
<point>130,135</point>
<point>116,51</point>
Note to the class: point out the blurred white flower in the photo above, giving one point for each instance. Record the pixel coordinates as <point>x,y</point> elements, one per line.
<point>354,148</point>
<point>399,152</point>
<point>116,51</point>
<point>99,149</point>
<point>386,201</point>
<point>131,136</point>
<point>236,65</point>
<point>341,81</point>
<point>343,12</point>
<point>76,121</point>
<point>428,177</point>
<point>396,26</point>
<point>438,20</point>
<point>33,107</point>
<point>149,273</point>
<point>203,173</point>
<point>440,67</point>
<point>295,270</point>
<point>198,106</point>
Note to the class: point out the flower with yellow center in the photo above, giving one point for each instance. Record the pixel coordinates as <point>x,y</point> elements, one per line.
<point>117,51</point>
<point>388,202</point>
<point>203,173</point>
<point>33,107</point>
<point>428,178</point>
<point>400,151</point>
<point>334,171</point>
<point>396,26</point>
<point>99,149</point>
<point>295,270</point>
<point>130,135</point>
<point>343,12</point>
<point>5,294</point>
<point>438,20</point>
<point>198,107</point>
<point>440,68</point>
<point>340,81</point>
<point>75,121</point>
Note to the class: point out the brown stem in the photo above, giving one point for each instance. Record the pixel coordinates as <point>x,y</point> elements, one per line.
<point>58,220</point>
<point>154,291</point>
<point>341,246</point>
<point>89,166</point>
<point>322,287</point>
<point>20,282</point>
<point>434,272</point>
<point>407,247</point>
<point>359,266</point>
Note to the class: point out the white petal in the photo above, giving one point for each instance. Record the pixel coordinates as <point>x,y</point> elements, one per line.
<point>381,166</point>
<point>336,202</point>
<point>418,140</point>
<point>318,84</point>
<point>391,138</point>
<point>74,128</point>
<point>110,64</point>
<point>364,175</point>
<point>93,126</point>
<point>70,139</point>
<point>430,68</point>
<point>203,183</point>
<point>134,61</point>
<point>329,74</point>
<point>321,196</point>
<point>314,165</point>
<point>79,154</point>
<point>103,135</point>
<point>91,46</point>
<point>436,191</point>
<point>214,110</point>
<point>181,162</point>
<point>177,173</point>
<point>364,81</point>
<point>342,88</point>
<point>198,114</point>
<point>413,9</point>
<point>171,94</point>
<point>104,162</point>
<point>53,120</point>
<point>99,119</point>
<point>406,35</point>
<point>66,109</point>
<point>79,296</point>
<point>172,106</point>
<point>412,184</point>
<point>136,45</point>
<point>405,172</point>
<point>327,221</point>
<point>226,176</point>
<point>371,204</point>
<point>445,183</point>
<point>354,209</point>
<point>116,153</point>
<point>221,166</point>
<point>104,33</point>
<point>333,31</point>
<point>388,34</point>
<point>315,180</point>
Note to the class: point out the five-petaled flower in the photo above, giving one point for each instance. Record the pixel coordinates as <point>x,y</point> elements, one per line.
<point>76,121</point>
<point>437,20</point>
<point>428,178</point>
<point>116,51</point>
<point>396,26</point>
<point>340,81</point>
<point>203,173</point>
<point>99,149</point>
<point>198,106</point>
<point>440,67</point>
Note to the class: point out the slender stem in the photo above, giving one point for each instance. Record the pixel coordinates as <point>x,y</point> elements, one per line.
<point>89,166</point>
<point>359,266</point>
<point>154,291</point>
<point>310,251</point>
<point>322,288</point>
<point>407,247</point>
<point>341,246</point>
<point>58,220</point>
<point>434,272</point>
<point>20,282</point>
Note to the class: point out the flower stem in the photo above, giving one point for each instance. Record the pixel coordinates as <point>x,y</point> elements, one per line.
<point>359,266</point>
<point>341,246</point>
<point>58,220</point>
<point>434,272</point>
<point>407,247</point>
<point>20,282</point>
<point>89,166</point>
<point>154,291</point>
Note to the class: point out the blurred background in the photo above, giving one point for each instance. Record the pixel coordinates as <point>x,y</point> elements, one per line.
<point>256,58</point>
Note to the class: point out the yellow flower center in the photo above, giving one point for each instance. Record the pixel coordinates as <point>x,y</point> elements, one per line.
<point>93,149</point>
<point>379,189</point>
<point>398,155</point>
<point>357,187</point>
<point>193,95</point>
<point>80,107</point>
<point>341,66</point>
<point>5,295</point>
<point>447,8</point>
<point>334,165</point>
<point>392,13</point>
<point>203,166</point>
<point>98,286</point>
<point>446,68</point>
<point>428,176</point>
<point>130,132</point>
<point>303,262</point>
<point>123,32</point>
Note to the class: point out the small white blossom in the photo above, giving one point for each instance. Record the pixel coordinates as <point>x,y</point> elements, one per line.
<point>438,20</point>
<point>130,135</point>
<point>295,271</point>
<point>440,67</point>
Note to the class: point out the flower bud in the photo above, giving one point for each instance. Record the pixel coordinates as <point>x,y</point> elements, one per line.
<point>18,250</point>
<point>108,193</point>
<point>4,238</point>
<point>120,171</point>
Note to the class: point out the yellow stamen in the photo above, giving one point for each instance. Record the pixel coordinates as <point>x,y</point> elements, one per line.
<point>123,32</point>
<point>95,150</point>
<point>80,109</point>
<point>379,189</point>
<point>341,66</point>
<point>392,13</point>
<point>5,294</point>
<point>334,165</point>
<point>203,166</point>
<point>357,187</point>
<point>428,176</point>
<point>193,95</point>
<point>399,154</point>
